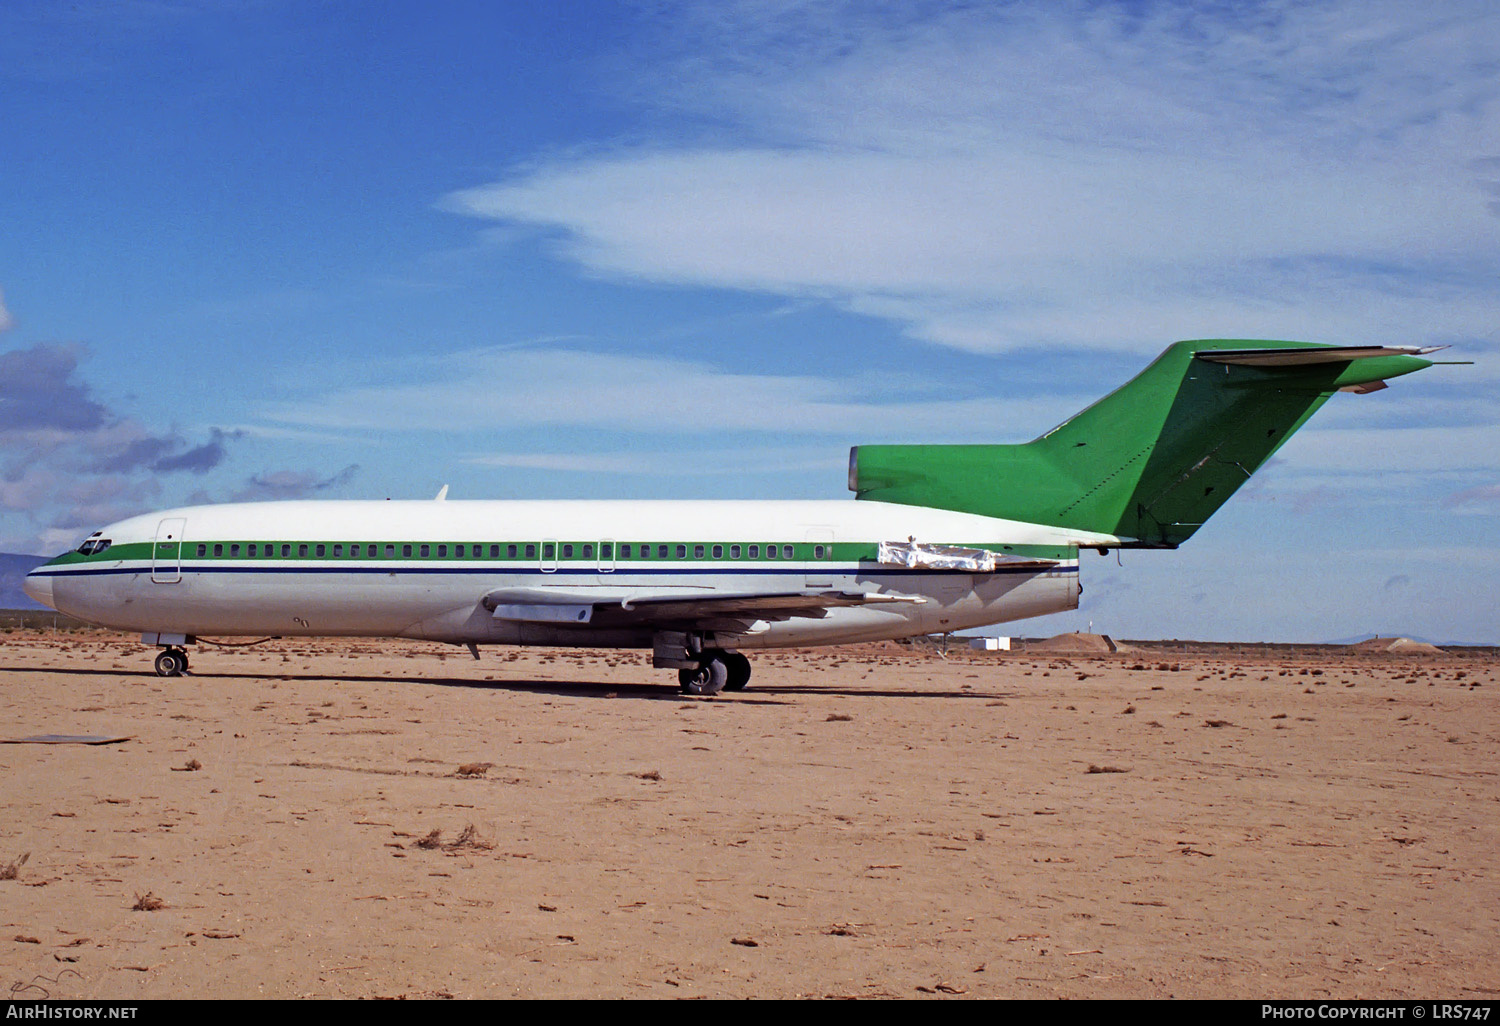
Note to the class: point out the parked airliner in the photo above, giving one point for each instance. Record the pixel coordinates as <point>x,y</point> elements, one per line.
<point>944,537</point>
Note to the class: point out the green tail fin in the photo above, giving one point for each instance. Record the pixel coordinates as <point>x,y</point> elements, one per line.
<point>1151,461</point>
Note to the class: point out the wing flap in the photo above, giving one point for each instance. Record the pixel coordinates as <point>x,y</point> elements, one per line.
<point>656,609</point>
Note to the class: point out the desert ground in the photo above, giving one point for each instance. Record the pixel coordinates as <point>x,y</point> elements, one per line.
<point>391,819</point>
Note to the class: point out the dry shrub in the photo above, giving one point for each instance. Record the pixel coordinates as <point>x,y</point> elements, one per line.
<point>148,902</point>
<point>12,870</point>
<point>469,840</point>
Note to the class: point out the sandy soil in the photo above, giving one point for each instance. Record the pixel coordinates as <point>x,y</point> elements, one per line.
<point>859,823</point>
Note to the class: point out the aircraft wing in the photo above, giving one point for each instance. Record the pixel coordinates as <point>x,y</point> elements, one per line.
<point>669,611</point>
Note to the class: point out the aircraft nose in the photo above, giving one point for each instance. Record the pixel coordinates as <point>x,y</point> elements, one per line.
<point>38,588</point>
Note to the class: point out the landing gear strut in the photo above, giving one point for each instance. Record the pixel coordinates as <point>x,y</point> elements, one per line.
<point>171,662</point>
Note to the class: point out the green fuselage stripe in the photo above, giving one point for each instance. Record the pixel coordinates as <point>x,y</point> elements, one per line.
<point>513,552</point>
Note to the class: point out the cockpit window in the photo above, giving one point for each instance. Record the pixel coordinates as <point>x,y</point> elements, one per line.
<point>94,546</point>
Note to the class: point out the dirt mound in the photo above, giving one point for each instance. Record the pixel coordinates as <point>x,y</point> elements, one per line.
<point>1396,646</point>
<point>1078,643</point>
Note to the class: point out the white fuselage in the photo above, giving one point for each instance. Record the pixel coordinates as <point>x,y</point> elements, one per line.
<point>423,569</point>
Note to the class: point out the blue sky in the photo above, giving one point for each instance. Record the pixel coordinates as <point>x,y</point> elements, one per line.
<point>275,249</point>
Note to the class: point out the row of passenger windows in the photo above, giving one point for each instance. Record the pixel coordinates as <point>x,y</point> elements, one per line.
<point>517,550</point>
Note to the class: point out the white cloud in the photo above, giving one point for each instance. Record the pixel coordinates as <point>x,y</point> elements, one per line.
<point>507,389</point>
<point>1378,451</point>
<point>674,463</point>
<point>1087,175</point>
<point>1482,498</point>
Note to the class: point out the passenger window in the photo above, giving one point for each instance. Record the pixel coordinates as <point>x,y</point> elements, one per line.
<point>202,549</point>
<point>406,551</point>
<point>390,552</point>
<point>718,552</point>
<point>661,552</point>
<point>426,550</point>
<point>624,551</point>
<point>770,552</point>
<point>322,550</point>
<point>682,552</point>
<point>371,550</point>
<point>459,550</point>
<point>548,550</point>
<point>442,550</point>
<point>218,550</point>
<point>734,552</point>
<point>567,552</point>
<point>252,549</point>
<point>510,552</point>
<point>588,551</point>
<point>234,550</point>
<point>531,551</point>
<point>817,552</point>
<point>697,551</point>
<point>786,552</point>
<point>301,551</point>
<point>755,552</point>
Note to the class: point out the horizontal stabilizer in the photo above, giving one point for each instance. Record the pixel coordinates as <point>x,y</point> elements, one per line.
<point>1304,357</point>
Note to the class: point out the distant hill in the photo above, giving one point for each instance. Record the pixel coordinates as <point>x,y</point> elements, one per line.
<point>1357,638</point>
<point>13,568</point>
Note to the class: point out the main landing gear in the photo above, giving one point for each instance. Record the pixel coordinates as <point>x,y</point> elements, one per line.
<point>171,662</point>
<point>716,671</point>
